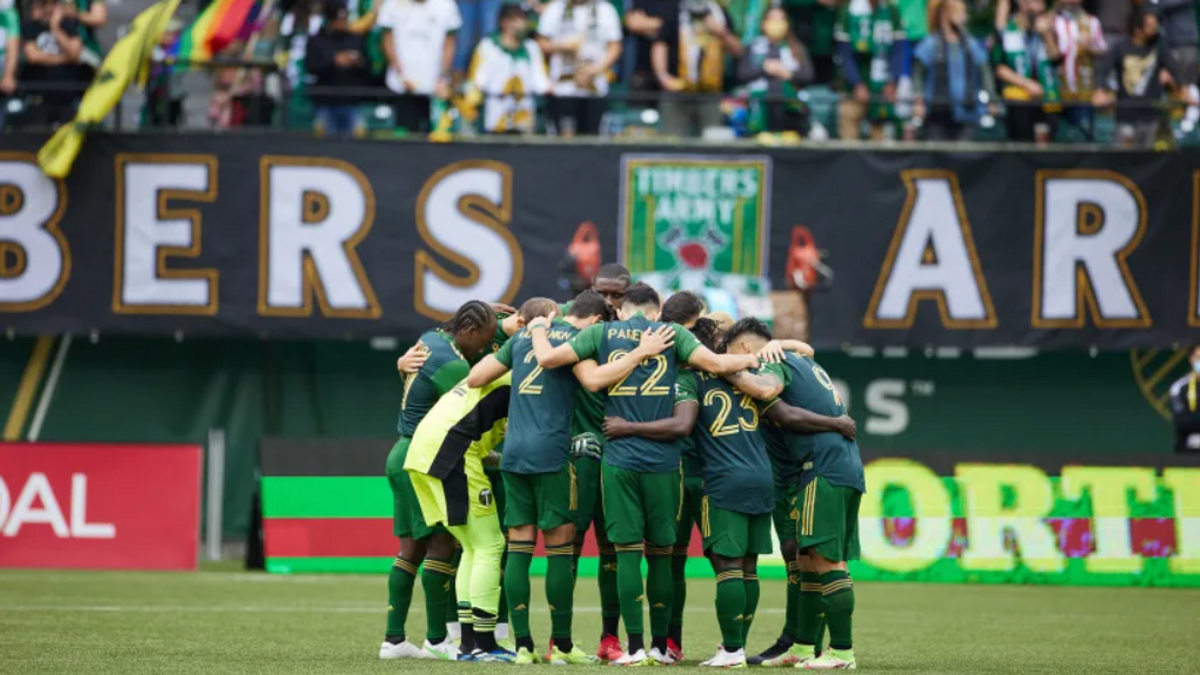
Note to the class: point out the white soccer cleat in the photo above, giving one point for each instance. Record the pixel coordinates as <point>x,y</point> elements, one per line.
<point>724,659</point>
<point>661,658</point>
<point>443,651</point>
<point>637,658</point>
<point>794,656</point>
<point>832,659</point>
<point>404,650</point>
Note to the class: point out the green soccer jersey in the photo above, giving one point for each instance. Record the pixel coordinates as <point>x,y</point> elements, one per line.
<point>588,417</point>
<point>645,395</point>
<point>686,388</point>
<point>871,30</point>
<point>737,473</point>
<point>444,368</point>
<point>808,386</point>
<point>784,467</point>
<point>541,405</point>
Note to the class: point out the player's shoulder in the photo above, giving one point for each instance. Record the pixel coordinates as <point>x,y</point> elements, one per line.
<point>441,351</point>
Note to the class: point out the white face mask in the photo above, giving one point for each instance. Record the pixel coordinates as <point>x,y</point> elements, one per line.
<point>1196,366</point>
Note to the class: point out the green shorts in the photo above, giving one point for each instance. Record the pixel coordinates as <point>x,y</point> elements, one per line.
<point>640,506</point>
<point>732,534</point>
<point>546,500</point>
<point>828,523</point>
<point>587,490</point>
<point>785,514</point>
<point>693,493</point>
<point>407,519</point>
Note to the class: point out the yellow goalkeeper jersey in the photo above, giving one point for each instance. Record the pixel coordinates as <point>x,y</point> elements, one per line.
<point>445,458</point>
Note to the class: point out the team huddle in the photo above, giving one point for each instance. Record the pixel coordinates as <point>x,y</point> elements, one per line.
<point>639,419</point>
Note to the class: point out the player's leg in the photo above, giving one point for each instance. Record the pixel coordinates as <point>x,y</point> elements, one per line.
<point>620,492</point>
<point>785,521</point>
<point>693,489</point>
<point>497,481</point>
<point>609,648</point>
<point>829,532</point>
<point>403,575</point>
<point>462,588</point>
<point>758,543</point>
<point>662,495</point>
<point>436,577</point>
<point>726,542</point>
<point>520,516</point>
<point>453,625</point>
<point>557,501</point>
<point>483,542</point>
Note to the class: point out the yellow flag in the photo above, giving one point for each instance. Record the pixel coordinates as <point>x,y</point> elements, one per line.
<point>129,60</point>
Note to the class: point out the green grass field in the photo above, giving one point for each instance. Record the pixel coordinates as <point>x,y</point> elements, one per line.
<point>232,622</point>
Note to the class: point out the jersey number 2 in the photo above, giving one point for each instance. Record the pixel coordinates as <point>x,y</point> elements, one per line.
<point>650,386</point>
<point>527,385</point>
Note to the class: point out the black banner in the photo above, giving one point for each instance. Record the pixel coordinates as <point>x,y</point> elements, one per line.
<point>302,238</point>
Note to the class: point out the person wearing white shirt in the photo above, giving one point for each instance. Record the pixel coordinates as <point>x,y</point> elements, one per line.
<point>507,72</point>
<point>582,39</point>
<point>418,41</point>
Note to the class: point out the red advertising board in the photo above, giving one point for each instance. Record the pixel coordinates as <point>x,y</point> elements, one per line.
<point>99,506</point>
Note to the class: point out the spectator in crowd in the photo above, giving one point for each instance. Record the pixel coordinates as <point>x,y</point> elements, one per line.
<point>296,28</point>
<point>873,55</point>
<point>163,105</point>
<point>1139,73</point>
<point>702,39</point>
<point>1185,405</point>
<point>1023,53</point>
<point>813,24</point>
<point>419,40</point>
<point>1080,41</point>
<point>10,56</point>
<point>52,48</point>
<point>336,59</point>
<point>479,21</point>
<point>951,74</point>
<point>1115,17</point>
<point>583,41</point>
<point>648,21</point>
<point>1179,31</point>
<point>92,15</point>
<point>507,71</point>
<point>774,65</point>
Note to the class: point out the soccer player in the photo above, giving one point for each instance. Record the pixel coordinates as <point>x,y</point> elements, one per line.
<point>465,336</point>
<point>829,491</point>
<point>640,477</point>
<point>445,466</point>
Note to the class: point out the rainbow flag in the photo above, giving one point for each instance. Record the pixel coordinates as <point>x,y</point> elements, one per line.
<point>222,22</point>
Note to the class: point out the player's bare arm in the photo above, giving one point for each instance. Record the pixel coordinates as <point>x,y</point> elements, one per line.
<point>596,377</point>
<point>760,386</point>
<point>721,364</point>
<point>776,349</point>
<point>677,426</point>
<point>413,359</point>
<point>486,371</point>
<point>511,324</point>
<point>549,356</point>
<point>801,421</point>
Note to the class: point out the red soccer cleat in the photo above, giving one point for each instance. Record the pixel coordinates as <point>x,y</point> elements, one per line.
<point>610,648</point>
<point>674,651</point>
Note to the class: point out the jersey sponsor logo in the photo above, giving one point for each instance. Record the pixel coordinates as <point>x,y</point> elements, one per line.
<point>485,497</point>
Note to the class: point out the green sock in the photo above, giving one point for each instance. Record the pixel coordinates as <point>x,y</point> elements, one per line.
<point>436,579</point>
<point>452,594</point>
<point>401,580</point>
<point>660,587</point>
<point>838,593</point>
<point>678,595</point>
<point>516,583</point>
<point>629,586</point>
<point>791,615</point>
<point>606,579</point>
<point>809,609</point>
<point>752,592</point>
<point>560,589</point>
<point>731,607</point>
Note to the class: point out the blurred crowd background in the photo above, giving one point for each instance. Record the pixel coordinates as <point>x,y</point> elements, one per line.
<point>1098,71</point>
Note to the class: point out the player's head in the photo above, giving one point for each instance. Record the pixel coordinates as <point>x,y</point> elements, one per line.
<point>534,308</point>
<point>587,308</point>
<point>640,298</point>
<point>612,281</point>
<point>706,331</point>
<point>747,336</point>
<point>473,326</point>
<point>682,308</point>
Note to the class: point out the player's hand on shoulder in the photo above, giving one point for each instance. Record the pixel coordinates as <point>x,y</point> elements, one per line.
<point>615,427</point>
<point>772,353</point>
<point>413,359</point>
<point>658,340</point>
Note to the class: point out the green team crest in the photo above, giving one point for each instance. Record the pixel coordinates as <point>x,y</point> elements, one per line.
<point>695,214</point>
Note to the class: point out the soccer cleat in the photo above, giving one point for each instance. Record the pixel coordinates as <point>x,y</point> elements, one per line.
<point>526,658</point>
<point>674,651</point>
<point>466,657</point>
<point>637,658</point>
<point>507,645</point>
<point>610,648</point>
<point>832,659</point>
<point>403,650</point>
<point>575,657</point>
<point>797,654</point>
<point>776,650</point>
<point>724,659</point>
<point>442,651</point>
<point>494,656</point>
<point>660,658</point>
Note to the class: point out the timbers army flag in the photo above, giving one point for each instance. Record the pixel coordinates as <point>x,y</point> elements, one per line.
<point>129,60</point>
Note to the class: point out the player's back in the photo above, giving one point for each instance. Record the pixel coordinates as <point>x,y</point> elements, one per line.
<point>442,371</point>
<point>737,472</point>
<point>541,405</point>
<point>830,454</point>
<point>646,395</point>
<point>464,420</point>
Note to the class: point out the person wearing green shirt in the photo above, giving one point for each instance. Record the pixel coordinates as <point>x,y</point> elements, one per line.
<point>641,476</point>
<point>874,53</point>
<point>92,15</point>
<point>1024,52</point>
<point>450,349</point>
<point>10,53</point>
